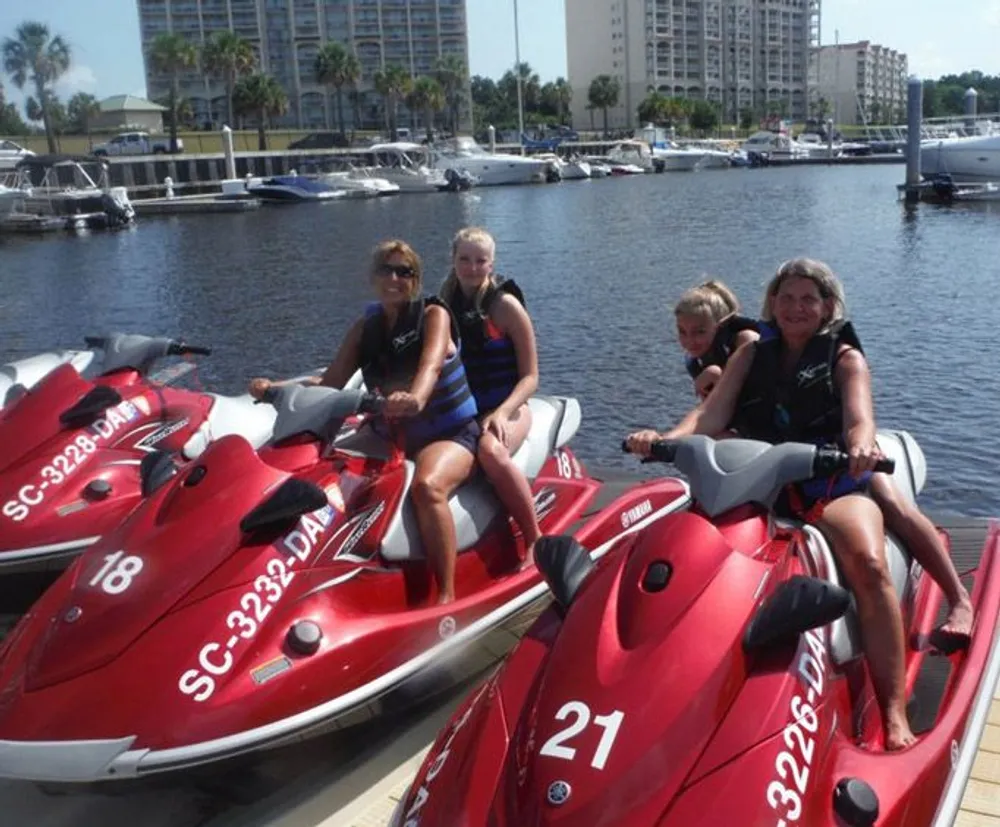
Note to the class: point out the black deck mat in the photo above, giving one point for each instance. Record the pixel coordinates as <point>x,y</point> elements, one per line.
<point>968,536</point>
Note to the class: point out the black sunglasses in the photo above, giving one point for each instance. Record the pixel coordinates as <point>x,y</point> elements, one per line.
<point>401,271</point>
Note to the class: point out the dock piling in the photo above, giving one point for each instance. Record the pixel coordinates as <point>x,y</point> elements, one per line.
<point>227,148</point>
<point>914,119</point>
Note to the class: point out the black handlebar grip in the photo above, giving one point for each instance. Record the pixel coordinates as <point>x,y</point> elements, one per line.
<point>95,341</point>
<point>886,465</point>
<point>197,350</point>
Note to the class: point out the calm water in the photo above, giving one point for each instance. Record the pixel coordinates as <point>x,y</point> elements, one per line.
<point>601,263</point>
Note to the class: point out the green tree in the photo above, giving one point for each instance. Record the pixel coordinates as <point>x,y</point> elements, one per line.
<point>172,54</point>
<point>652,109</point>
<point>33,55</point>
<point>427,97</point>
<point>393,83</point>
<point>228,56</point>
<point>603,94</point>
<point>746,118</point>
<point>260,95</point>
<point>451,73</point>
<point>337,67</point>
<point>82,110</point>
<point>703,116</point>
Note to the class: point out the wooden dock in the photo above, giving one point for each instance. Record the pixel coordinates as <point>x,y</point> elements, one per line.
<point>981,803</point>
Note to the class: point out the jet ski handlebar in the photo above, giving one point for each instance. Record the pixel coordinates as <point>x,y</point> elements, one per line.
<point>170,347</point>
<point>826,461</point>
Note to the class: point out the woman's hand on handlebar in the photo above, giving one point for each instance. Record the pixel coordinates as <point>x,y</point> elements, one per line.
<point>259,386</point>
<point>863,458</point>
<point>641,442</point>
<point>402,405</point>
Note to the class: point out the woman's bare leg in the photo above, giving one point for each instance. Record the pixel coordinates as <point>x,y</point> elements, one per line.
<point>440,468</point>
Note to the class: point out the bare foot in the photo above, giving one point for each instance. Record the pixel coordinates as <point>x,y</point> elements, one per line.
<point>898,735</point>
<point>445,599</point>
<point>960,618</point>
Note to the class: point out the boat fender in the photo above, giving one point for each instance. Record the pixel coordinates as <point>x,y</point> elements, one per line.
<point>565,564</point>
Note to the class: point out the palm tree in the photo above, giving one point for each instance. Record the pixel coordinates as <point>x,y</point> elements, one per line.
<point>356,97</point>
<point>262,96</point>
<point>603,94</point>
<point>653,108</point>
<point>427,97</point>
<point>32,55</point>
<point>229,56</point>
<point>450,73</point>
<point>82,110</point>
<point>337,67</point>
<point>393,83</point>
<point>171,54</point>
<point>564,97</point>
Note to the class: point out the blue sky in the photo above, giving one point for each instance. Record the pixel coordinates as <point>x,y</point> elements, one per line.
<point>939,38</point>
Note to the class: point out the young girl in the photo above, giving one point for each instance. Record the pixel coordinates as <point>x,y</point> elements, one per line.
<point>710,329</point>
<point>501,362</point>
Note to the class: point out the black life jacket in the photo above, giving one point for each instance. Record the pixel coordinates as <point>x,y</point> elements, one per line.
<point>489,355</point>
<point>389,362</point>
<point>723,345</point>
<point>803,407</point>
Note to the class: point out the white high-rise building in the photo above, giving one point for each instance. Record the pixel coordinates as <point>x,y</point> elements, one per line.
<point>287,34</point>
<point>739,54</point>
<point>861,82</point>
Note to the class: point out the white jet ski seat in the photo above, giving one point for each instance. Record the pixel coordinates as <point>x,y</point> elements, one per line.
<point>24,374</point>
<point>554,421</point>
<point>909,477</point>
<point>238,415</point>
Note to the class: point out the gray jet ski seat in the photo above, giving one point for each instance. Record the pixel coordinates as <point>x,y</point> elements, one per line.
<point>554,421</point>
<point>909,477</point>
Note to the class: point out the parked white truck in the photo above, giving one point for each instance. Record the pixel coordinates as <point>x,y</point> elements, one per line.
<point>136,143</point>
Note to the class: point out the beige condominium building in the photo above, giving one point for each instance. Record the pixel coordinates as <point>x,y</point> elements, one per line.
<point>739,54</point>
<point>287,34</point>
<point>861,83</point>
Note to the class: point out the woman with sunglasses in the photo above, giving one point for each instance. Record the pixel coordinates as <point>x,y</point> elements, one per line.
<point>406,346</point>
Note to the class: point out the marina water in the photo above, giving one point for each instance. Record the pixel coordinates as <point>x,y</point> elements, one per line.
<point>601,263</point>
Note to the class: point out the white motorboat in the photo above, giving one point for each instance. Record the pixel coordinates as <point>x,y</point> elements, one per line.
<point>293,188</point>
<point>359,184</point>
<point>775,146</point>
<point>55,192</point>
<point>966,160</point>
<point>407,165</point>
<point>463,154</point>
<point>630,154</point>
<point>572,169</point>
<point>677,158</point>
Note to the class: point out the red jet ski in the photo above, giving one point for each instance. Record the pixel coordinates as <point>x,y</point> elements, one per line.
<point>711,674</point>
<point>72,450</point>
<point>255,598</point>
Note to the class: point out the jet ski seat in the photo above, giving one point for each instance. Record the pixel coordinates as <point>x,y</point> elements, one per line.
<point>238,415</point>
<point>909,476</point>
<point>554,421</point>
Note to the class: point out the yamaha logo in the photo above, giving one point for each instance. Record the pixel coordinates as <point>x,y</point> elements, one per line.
<point>559,792</point>
<point>446,628</point>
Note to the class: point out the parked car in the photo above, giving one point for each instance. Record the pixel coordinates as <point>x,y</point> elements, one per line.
<point>136,143</point>
<point>11,154</point>
<point>321,140</point>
